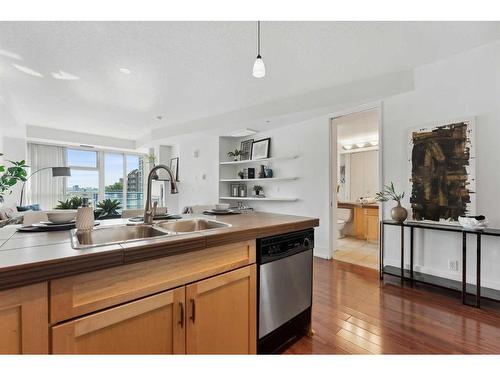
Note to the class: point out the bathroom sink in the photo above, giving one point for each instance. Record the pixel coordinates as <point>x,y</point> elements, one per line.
<point>191,225</point>
<point>113,235</point>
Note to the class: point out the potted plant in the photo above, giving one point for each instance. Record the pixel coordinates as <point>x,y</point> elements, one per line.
<point>258,189</point>
<point>11,176</point>
<point>234,154</point>
<point>108,209</point>
<point>70,204</point>
<point>241,174</point>
<point>398,213</point>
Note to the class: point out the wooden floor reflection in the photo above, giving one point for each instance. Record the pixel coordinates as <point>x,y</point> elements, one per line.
<point>355,313</point>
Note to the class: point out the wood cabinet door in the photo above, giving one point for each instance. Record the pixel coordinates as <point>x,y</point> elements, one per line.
<point>359,223</point>
<point>151,325</point>
<point>371,224</point>
<point>221,314</point>
<point>24,320</point>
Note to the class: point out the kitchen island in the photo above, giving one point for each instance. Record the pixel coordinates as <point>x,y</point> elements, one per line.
<point>190,293</point>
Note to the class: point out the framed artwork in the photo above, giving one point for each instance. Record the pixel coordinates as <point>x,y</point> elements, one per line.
<point>246,149</point>
<point>261,149</point>
<point>442,171</point>
<point>174,166</point>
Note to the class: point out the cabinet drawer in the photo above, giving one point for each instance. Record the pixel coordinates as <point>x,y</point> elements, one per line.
<point>80,294</point>
<point>371,211</point>
<point>151,325</point>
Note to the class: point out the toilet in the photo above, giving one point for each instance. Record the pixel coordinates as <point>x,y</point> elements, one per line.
<point>344,216</point>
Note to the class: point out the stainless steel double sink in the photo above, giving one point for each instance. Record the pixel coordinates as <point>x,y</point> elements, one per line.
<point>116,234</point>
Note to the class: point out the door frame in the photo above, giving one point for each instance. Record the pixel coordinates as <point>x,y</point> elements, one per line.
<point>375,105</point>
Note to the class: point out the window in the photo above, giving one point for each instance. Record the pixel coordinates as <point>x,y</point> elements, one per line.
<point>99,175</point>
<point>84,180</point>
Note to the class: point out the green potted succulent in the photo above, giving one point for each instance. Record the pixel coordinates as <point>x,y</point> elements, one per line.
<point>108,209</point>
<point>258,190</point>
<point>398,213</point>
<point>70,204</point>
<point>234,154</point>
<point>11,176</point>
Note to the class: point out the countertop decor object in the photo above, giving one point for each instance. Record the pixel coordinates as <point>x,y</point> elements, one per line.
<point>61,216</point>
<point>85,218</point>
<point>398,213</point>
<point>473,222</point>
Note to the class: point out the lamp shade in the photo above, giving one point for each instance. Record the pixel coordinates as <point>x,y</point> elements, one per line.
<point>61,172</point>
<point>259,69</point>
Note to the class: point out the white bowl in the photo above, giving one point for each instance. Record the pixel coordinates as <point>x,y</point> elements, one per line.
<point>61,216</point>
<point>222,206</point>
<point>471,223</point>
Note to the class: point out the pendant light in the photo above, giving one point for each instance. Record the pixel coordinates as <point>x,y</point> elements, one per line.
<point>259,69</point>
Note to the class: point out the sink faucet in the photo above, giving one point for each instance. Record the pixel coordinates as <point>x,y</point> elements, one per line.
<point>148,210</point>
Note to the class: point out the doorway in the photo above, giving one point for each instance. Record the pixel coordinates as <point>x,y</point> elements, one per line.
<point>355,137</point>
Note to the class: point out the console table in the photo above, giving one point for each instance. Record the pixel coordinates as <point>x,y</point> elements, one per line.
<point>406,274</point>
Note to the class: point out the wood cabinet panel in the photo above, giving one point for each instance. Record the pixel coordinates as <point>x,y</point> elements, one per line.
<point>24,320</point>
<point>81,294</point>
<point>151,325</point>
<point>222,314</point>
<point>366,223</point>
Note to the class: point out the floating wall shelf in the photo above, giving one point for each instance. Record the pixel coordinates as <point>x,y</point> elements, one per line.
<point>257,161</point>
<point>259,199</point>
<point>257,179</point>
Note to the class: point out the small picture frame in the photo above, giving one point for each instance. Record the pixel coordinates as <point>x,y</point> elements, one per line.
<point>261,149</point>
<point>246,149</point>
<point>174,166</point>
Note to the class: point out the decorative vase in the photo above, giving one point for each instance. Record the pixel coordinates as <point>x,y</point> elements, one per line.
<point>399,213</point>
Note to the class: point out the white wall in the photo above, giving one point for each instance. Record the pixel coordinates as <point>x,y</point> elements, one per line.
<point>464,85</point>
<point>310,141</point>
<point>198,170</point>
<point>12,140</point>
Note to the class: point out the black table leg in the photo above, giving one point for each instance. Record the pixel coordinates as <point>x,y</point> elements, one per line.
<point>402,253</point>
<point>478,271</point>
<point>464,267</point>
<point>381,250</point>
<point>411,254</point>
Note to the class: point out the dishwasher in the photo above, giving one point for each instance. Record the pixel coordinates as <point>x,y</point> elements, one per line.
<point>284,289</point>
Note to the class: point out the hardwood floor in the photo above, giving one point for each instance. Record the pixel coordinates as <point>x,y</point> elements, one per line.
<point>355,313</point>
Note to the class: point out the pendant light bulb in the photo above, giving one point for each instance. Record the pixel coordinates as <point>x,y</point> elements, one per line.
<point>259,69</point>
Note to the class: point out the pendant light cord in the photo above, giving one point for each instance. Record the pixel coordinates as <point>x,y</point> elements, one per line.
<point>258,38</point>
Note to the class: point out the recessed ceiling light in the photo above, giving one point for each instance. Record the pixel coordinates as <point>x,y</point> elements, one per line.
<point>159,117</point>
<point>125,70</point>
<point>243,133</point>
<point>268,121</point>
<point>65,76</point>
<point>374,143</point>
<point>27,70</point>
<point>361,144</point>
<point>347,147</point>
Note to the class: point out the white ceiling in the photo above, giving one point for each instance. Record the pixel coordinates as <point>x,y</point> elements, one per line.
<point>191,70</point>
<point>357,127</point>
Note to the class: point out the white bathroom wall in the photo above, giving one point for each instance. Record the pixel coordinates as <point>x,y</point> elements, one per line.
<point>464,85</point>
<point>363,171</point>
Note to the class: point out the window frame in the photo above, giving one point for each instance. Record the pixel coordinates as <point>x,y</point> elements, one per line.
<point>100,168</point>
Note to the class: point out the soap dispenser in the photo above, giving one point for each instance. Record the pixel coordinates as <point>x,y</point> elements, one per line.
<point>85,216</point>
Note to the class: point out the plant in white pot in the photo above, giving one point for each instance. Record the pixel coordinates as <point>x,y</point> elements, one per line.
<point>234,154</point>
<point>398,213</point>
<point>11,176</point>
